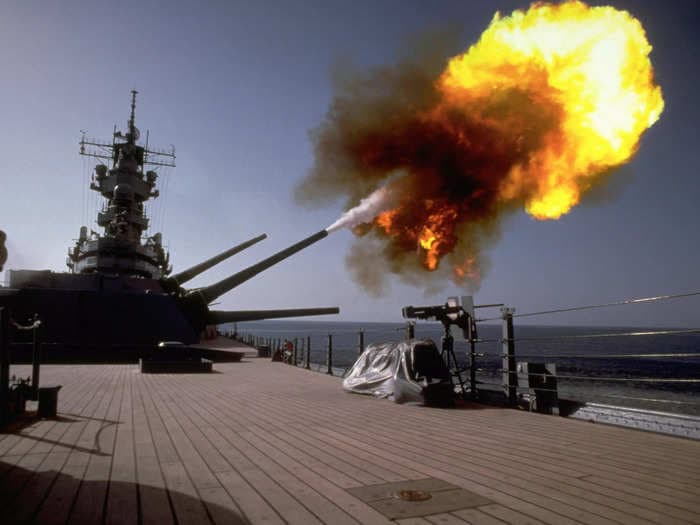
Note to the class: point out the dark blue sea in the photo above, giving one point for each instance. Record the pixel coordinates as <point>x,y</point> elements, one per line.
<point>593,369</point>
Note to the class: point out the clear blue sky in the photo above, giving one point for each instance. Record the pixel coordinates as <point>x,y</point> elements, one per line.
<point>236,87</point>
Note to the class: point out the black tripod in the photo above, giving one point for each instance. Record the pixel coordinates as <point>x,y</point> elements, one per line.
<point>448,356</point>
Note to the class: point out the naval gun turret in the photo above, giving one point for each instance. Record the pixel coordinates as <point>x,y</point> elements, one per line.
<point>120,291</point>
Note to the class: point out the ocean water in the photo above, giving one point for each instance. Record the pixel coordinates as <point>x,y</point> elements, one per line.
<point>588,368</point>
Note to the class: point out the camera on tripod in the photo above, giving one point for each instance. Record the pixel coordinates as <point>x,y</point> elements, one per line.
<point>429,312</point>
<point>456,312</point>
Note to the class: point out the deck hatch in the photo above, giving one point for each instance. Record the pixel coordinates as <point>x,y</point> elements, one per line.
<point>444,497</point>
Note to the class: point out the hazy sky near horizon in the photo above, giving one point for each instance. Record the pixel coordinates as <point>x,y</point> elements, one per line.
<point>237,86</point>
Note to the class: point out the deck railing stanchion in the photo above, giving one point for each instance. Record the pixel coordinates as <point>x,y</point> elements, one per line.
<point>329,359</point>
<point>296,348</point>
<point>472,364</point>
<point>36,357</point>
<point>361,341</point>
<point>510,375</point>
<point>308,352</point>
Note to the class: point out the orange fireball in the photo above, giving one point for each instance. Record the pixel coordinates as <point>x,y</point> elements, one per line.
<point>593,63</point>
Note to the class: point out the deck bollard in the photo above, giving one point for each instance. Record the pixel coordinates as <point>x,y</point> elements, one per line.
<point>48,401</point>
<point>308,352</point>
<point>361,341</point>
<point>329,359</point>
<point>510,374</point>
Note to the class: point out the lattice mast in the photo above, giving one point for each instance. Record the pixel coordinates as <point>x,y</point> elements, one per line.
<point>125,186</point>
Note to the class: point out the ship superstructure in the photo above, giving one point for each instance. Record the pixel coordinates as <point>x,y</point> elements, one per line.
<point>125,186</point>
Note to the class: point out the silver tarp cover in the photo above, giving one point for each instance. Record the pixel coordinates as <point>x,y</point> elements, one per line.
<point>386,370</point>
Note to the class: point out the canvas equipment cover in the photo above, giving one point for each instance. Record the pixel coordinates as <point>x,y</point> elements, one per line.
<point>405,372</point>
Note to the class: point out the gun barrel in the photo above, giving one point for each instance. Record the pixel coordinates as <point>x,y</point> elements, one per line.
<point>212,292</point>
<point>219,317</point>
<point>180,278</point>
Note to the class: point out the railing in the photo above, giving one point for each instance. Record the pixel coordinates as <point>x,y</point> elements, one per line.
<point>569,371</point>
<point>652,377</point>
<point>299,351</point>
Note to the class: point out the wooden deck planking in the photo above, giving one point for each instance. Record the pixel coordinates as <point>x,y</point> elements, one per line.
<point>187,505</point>
<point>445,519</point>
<point>591,498</point>
<point>55,447</point>
<point>58,503</point>
<point>591,521</point>
<point>531,485</point>
<point>389,453</point>
<point>502,451</point>
<point>264,442</point>
<point>37,437</point>
<point>477,517</point>
<point>311,499</point>
<point>89,504</point>
<point>345,469</point>
<point>269,416</point>
<point>480,430</point>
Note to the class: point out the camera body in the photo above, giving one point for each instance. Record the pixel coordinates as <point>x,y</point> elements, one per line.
<point>430,312</point>
<point>456,313</point>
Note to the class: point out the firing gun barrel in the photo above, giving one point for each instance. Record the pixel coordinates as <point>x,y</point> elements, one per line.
<point>212,292</point>
<point>178,279</point>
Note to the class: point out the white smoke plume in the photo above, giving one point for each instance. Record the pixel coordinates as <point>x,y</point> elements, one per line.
<point>367,210</point>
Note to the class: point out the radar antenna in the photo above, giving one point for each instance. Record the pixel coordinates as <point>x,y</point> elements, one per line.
<point>148,156</point>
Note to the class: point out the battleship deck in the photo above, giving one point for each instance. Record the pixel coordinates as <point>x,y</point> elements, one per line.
<point>264,442</point>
